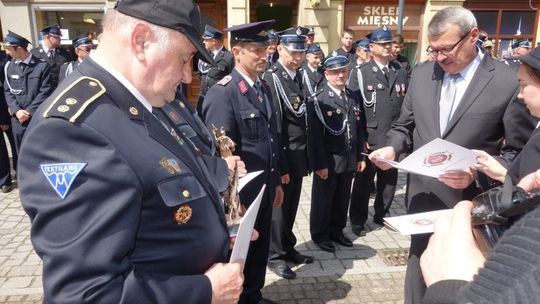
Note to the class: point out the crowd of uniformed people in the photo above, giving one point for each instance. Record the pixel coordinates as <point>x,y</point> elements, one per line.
<point>122,177</point>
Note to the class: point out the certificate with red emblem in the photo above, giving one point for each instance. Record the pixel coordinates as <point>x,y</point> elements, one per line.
<point>436,158</point>
<point>415,223</point>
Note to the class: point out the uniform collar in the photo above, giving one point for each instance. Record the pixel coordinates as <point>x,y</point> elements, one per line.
<point>337,91</point>
<point>217,51</point>
<point>246,78</point>
<point>129,86</point>
<point>468,72</point>
<point>381,66</point>
<point>289,71</point>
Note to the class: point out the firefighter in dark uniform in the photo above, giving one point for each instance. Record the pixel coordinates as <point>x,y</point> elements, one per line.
<point>126,196</point>
<point>336,133</point>
<point>241,103</point>
<point>311,70</point>
<point>26,86</point>
<point>272,54</point>
<point>310,36</point>
<point>82,45</point>
<point>210,73</point>
<point>382,84</point>
<point>363,55</point>
<point>51,52</point>
<point>285,82</point>
<point>520,48</point>
<point>5,127</point>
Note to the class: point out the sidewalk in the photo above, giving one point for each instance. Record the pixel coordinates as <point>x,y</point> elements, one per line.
<point>351,275</point>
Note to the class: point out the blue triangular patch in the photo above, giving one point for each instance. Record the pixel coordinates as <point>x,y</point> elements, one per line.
<point>61,176</point>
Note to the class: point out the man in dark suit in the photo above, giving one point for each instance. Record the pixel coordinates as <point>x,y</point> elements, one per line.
<point>464,97</point>
<point>210,73</point>
<point>384,83</point>
<point>347,48</point>
<point>26,84</point>
<point>311,70</point>
<point>82,45</point>
<point>285,82</point>
<point>126,196</point>
<point>336,137</point>
<point>5,127</point>
<point>241,104</point>
<point>51,52</point>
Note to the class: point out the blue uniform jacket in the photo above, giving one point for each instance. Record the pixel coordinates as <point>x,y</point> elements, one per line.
<point>140,222</point>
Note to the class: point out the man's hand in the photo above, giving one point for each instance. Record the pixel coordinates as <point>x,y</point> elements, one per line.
<point>530,181</point>
<point>235,162</point>
<point>227,281</point>
<point>278,199</point>
<point>22,116</point>
<point>452,253</point>
<point>361,166</point>
<point>285,179</point>
<point>387,153</point>
<point>490,166</point>
<point>458,179</point>
<point>323,173</point>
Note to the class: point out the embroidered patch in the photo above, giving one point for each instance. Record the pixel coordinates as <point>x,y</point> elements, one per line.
<point>243,87</point>
<point>225,80</point>
<point>61,176</point>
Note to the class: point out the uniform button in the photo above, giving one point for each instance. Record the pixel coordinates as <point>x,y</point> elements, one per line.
<point>185,193</point>
<point>271,139</point>
<point>273,154</point>
<point>252,115</point>
<point>272,170</point>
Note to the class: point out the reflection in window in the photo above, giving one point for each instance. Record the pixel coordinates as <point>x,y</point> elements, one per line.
<point>517,23</point>
<point>72,23</point>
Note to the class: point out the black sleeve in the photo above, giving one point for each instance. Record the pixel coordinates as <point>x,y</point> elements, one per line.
<point>443,292</point>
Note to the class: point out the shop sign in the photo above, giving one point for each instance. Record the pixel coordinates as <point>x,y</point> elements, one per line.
<point>378,15</point>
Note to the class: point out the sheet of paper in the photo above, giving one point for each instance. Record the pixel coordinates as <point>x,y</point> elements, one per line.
<point>415,223</point>
<point>244,180</point>
<point>243,237</point>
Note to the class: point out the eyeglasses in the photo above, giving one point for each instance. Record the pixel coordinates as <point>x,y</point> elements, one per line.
<point>447,50</point>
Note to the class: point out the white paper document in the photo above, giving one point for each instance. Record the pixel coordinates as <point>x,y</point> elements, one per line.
<point>436,158</point>
<point>244,180</point>
<point>415,223</point>
<point>243,237</point>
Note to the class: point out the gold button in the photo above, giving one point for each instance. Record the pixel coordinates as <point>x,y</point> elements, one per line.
<point>182,105</point>
<point>63,108</point>
<point>185,193</point>
<point>71,101</point>
<point>252,115</point>
<point>133,111</point>
<point>93,84</point>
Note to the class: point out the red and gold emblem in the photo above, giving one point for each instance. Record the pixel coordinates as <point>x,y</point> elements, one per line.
<point>183,214</point>
<point>437,159</point>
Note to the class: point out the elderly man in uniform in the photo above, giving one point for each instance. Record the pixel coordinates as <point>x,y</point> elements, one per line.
<point>464,97</point>
<point>51,52</point>
<point>382,83</point>
<point>210,73</point>
<point>82,45</point>
<point>285,82</point>
<point>241,104</point>
<point>26,84</point>
<point>336,134</point>
<point>521,47</point>
<point>122,207</point>
<point>272,54</point>
<point>312,72</point>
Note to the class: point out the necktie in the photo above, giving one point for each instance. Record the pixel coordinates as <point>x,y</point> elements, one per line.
<point>258,91</point>
<point>385,72</point>
<point>51,54</point>
<point>446,104</point>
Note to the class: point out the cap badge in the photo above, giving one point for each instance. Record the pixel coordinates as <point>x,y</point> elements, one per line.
<point>385,28</point>
<point>170,164</point>
<point>183,214</point>
<point>298,31</point>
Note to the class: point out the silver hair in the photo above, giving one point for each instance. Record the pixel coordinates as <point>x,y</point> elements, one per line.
<point>116,21</point>
<point>459,16</point>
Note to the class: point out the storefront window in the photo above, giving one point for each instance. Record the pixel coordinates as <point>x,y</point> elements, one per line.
<point>487,21</point>
<point>517,23</point>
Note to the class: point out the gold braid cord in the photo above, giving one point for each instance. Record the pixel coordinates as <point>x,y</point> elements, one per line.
<point>231,200</point>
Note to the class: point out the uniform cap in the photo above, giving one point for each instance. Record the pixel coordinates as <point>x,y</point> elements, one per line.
<point>255,32</point>
<point>180,15</point>
<point>211,32</point>
<point>532,59</point>
<point>314,48</point>
<point>294,38</point>
<point>524,43</point>
<point>82,40</point>
<point>272,35</point>
<point>311,31</point>
<point>53,30</point>
<point>13,39</point>
<point>363,44</point>
<point>335,62</point>
<point>381,35</point>
<point>488,43</point>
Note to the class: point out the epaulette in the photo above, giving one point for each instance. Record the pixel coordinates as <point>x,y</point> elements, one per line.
<point>273,69</point>
<point>315,94</point>
<point>225,80</point>
<point>72,102</point>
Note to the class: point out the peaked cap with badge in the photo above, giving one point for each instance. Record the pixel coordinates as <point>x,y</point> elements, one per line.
<point>335,62</point>
<point>255,32</point>
<point>381,35</point>
<point>294,38</point>
<point>13,39</point>
<point>141,218</point>
<point>523,43</point>
<point>211,32</point>
<point>53,30</point>
<point>363,44</point>
<point>82,40</point>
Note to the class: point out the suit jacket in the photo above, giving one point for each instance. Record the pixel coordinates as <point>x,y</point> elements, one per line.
<point>252,125</point>
<point>212,73</point>
<point>488,114</point>
<point>61,56</point>
<point>387,95</point>
<point>140,223</point>
<point>339,153</point>
<point>291,128</point>
<point>528,160</point>
<point>33,80</point>
<point>405,64</point>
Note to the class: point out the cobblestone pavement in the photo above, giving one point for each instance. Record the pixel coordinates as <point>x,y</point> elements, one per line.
<point>351,275</point>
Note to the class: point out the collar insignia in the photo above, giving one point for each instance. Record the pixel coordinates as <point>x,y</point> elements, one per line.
<point>170,164</point>
<point>61,176</point>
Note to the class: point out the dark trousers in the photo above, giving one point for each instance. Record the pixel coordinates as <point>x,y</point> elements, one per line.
<point>5,170</point>
<point>257,258</point>
<point>415,287</point>
<point>329,204</point>
<point>386,188</point>
<point>283,239</point>
<point>18,130</point>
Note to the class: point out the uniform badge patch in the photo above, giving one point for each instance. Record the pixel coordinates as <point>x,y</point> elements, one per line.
<point>61,176</point>
<point>174,116</point>
<point>225,80</point>
<point>243,87</point>
<point>170,164</point>
<point>183,214</point>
